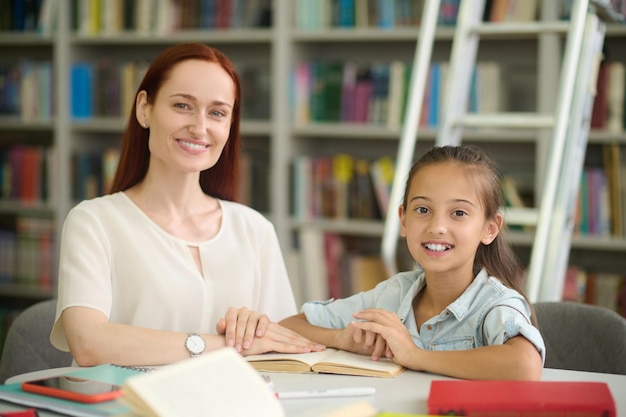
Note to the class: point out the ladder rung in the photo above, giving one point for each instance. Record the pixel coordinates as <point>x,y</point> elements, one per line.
<point>520,28</point>
<point>508,120</point>
<point>520,216</point>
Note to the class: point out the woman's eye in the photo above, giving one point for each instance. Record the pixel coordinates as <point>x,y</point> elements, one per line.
<point>421,210</point>
<point>217,113</point>
<point>182,106</point>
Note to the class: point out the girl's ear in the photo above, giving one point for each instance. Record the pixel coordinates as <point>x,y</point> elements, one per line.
<point>402,215</point>
<point>492,228</point>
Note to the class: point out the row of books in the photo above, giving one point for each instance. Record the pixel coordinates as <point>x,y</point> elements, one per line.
<point>111,17</point>
<point>26,89</point>
<point>106,88</point>
<point>341,187</point>
<point>20,15</point>
<point>321,14</point>
<point>92,173</point>
<point>24,173</point>
<point>331,265</point>
<point>599,288</point>
<point>333,91</point>
<point>609,112</point>
<point>27,252</point>
<point>601,203</point>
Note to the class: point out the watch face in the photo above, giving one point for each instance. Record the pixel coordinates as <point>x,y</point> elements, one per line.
<point>195,344</point>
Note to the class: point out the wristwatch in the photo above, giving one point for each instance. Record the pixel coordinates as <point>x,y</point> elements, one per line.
<point>195,344</point>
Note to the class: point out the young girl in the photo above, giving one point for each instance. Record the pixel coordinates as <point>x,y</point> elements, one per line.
<point>462,312</point>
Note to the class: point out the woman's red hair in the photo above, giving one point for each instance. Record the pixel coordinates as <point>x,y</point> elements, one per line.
<point>218,181</point>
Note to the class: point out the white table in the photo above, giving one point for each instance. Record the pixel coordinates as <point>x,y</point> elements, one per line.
<point>406,393</point>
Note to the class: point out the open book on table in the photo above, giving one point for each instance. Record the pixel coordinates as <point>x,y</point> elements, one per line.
<point>331,361</point>
<point>218,383</point>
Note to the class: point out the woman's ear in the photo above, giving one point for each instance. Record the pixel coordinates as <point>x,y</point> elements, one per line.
<point>492,228</point>
<point>142,108</point>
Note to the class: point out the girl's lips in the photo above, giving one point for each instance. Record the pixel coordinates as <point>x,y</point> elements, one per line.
<point>437,247</point>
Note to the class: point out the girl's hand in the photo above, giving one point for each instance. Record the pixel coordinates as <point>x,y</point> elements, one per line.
<point>361,341</point>
<point>389,327</point>
<point>240,326</point>
<point>280,339</point>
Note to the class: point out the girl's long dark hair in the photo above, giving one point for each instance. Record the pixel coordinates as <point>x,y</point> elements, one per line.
<point>218,181</point>
<point>498,257</point>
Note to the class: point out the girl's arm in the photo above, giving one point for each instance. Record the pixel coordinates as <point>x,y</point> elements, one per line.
<point>93,341</point>
<point>349,338</point>
<point>517,358</point>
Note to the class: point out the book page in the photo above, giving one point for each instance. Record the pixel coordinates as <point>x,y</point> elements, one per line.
<point>348,362</point>
<point>290,362</point>
<point>211,385</point>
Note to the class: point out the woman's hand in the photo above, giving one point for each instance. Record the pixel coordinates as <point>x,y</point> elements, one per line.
<point>240,326</point>
<point>280,339</point>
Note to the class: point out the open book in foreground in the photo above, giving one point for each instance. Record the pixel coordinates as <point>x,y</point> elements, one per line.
<point>331,361</point>
<point>211,385</point>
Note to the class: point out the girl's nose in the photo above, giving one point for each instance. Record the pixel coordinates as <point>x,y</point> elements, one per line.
<point>437,226</point>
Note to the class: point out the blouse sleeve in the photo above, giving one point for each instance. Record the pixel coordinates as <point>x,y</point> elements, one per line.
<point>84,269</point>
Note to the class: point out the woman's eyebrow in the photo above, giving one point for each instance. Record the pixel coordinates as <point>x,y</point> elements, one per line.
<point>193,98</point>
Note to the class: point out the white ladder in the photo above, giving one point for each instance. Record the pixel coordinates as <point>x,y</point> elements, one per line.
<point>569,125</point>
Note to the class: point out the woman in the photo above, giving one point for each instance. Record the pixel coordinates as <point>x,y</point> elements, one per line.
<point>148,271</point>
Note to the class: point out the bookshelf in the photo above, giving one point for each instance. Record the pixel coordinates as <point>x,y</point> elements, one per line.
<point>271,136</point>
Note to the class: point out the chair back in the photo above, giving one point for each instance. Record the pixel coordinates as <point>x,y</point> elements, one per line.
<point>27,345</point>
<point>582,337</point>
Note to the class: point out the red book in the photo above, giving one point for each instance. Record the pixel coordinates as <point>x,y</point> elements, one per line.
<point>520,398</point>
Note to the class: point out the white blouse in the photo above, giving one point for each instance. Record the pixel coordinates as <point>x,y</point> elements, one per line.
<point>115,259</point>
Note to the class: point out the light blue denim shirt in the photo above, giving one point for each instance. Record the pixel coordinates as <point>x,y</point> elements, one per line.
<point>487,313</point>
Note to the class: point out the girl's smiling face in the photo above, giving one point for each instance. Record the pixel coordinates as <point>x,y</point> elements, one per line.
<point>190,118</point>
<point>444,220</point>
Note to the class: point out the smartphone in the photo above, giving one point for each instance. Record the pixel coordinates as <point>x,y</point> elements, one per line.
<point>73,389</point>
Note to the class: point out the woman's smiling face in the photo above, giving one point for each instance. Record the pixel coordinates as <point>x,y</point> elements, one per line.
<point>190,118</point>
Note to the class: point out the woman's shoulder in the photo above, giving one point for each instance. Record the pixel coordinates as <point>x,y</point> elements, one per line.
<point>104,202</point>
<point>241,213</point>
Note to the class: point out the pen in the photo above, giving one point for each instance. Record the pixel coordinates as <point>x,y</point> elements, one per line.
<point>334,392</point>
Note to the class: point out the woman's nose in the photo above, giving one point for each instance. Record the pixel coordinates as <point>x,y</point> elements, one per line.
<point>198,126</point>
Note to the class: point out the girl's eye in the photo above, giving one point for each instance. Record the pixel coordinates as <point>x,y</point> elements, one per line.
<point>421,210</point>
<point>459,213</point>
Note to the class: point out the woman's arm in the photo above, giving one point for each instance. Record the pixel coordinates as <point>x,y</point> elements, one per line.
<point>93,341</point>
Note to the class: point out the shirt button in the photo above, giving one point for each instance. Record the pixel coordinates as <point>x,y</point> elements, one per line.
<point>447,313</point>
<point>429,327</point>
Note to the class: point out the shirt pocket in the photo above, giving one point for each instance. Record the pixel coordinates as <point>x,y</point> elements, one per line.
<point>454,343</point>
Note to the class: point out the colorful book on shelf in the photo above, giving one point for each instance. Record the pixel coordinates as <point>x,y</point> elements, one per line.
<point>520,398</point>
<point>330,361</point>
